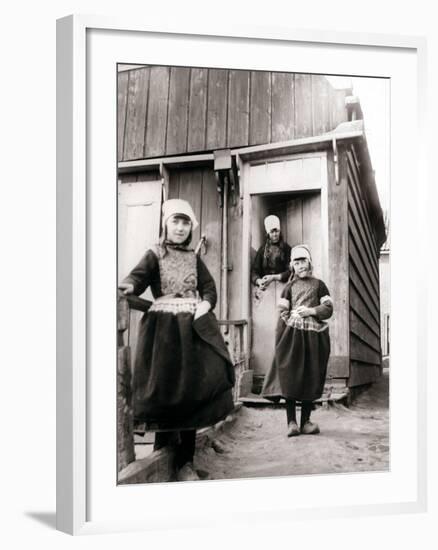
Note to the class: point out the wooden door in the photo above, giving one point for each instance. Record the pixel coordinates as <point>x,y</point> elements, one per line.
<point>303,215</point>
<point>139,212</point>
<point>139,205</point>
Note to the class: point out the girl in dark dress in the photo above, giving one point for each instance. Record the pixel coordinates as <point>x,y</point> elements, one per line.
<point>302,345</point>
<point>183,373</point>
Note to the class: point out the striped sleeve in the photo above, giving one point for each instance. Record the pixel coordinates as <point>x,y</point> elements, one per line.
<point>325,308</point>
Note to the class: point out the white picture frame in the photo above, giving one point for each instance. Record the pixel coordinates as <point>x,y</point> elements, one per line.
<point>81,230</point>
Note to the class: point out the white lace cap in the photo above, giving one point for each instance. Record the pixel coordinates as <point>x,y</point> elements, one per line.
<point>172,207</point>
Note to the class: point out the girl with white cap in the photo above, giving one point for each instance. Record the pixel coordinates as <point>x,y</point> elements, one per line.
<point>302,346</point>
<point>271,262</point>
<point>183,373</point>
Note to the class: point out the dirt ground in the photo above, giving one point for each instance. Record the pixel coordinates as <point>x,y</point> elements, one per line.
<point>354,439</point>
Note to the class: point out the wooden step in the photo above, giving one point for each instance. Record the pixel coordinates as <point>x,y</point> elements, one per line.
<point>256,400</point>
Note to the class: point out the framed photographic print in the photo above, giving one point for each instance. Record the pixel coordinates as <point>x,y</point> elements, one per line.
<point>231,223</point>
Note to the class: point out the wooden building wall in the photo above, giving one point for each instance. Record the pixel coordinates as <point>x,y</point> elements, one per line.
<point>174,110</point>
<point>164,111</point>
<point>364,309</point>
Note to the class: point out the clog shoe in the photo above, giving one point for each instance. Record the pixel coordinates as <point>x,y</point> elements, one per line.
<point>187,473</point>
<point>292,429</point>
<point>310,428</point>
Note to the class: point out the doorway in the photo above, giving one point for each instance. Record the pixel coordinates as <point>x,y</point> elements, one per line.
<point>300,223</point>
<point>293,187</point>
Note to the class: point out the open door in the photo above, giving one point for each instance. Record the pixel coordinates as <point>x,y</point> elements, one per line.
<point>294,188</point>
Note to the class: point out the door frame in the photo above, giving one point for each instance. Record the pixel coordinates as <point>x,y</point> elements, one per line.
<point>245,186</point>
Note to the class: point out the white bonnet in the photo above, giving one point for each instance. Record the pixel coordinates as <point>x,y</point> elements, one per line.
<point>272,222</point>
<point>178,206</point>
<point>300,251</point>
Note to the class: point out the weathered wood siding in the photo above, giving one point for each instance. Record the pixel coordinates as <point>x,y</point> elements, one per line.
<point>198,186</point>
<point>173,110</point>
<point>364,311</point>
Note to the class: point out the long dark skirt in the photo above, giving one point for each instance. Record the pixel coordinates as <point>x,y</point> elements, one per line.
<point>183,374</point>
<point>299,367</point>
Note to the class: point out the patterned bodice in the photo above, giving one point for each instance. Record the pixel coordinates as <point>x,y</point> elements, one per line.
<point>304,292</point>
<point>178,273</point>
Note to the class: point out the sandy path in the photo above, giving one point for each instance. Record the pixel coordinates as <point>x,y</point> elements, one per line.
<point>256,445</point>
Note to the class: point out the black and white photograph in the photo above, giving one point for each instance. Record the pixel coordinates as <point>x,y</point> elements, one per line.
<point>218,285</point>
<point>253,229</point>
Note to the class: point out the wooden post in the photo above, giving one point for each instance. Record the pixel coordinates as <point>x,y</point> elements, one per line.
<point>125,435</point>
<point>339,362</point>
<point>224,280</point>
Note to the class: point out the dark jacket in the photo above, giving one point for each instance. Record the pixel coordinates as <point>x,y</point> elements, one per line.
<point>272,259</point>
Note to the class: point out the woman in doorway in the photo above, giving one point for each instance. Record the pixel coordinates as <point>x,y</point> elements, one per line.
<point>271,262</point>
<point>302,346</point>
<point>183,373</point>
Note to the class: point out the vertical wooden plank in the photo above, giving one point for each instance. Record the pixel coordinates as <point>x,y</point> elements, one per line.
<point>260,108</point>
<point>136,113</point>
<point>177,119</point>
<point>190,189</point>
<point>174,177</point>
<point>122,100</point>
<point>320,105</point>
<point>197,110</point>
<point>211,226</point>
<point>238,109</point>
<point>264,318</point>
<point>338,111</point>
<point>246,253</point>
<point>235,259</point>
<point>157,112</point>
<point>303,105</point>
<point>295,222</point>
<point>125,419</point>
<point>283,107</point>
<point>259,211</point>
<point>280,210</point>
<point>338,280</point>
<point>217,109</point>
<point>312,230</point>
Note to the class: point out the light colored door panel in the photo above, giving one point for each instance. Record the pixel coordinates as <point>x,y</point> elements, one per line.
<point>139,222</point>
<point>139,206</point>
